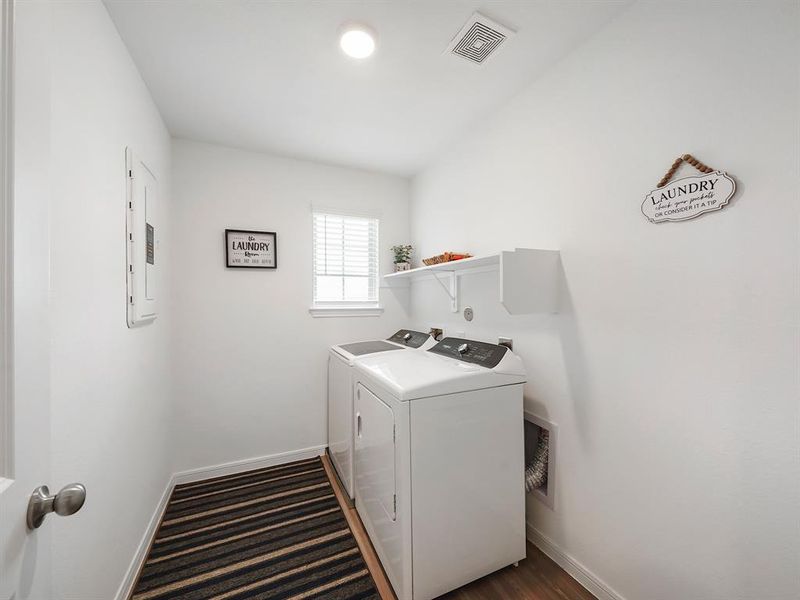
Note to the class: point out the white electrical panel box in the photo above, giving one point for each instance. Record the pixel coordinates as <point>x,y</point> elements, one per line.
<point>142,240</point>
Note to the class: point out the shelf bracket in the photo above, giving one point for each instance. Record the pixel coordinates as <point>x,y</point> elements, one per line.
<point>450,288</point>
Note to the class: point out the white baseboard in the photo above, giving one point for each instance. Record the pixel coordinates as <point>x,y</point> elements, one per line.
<point>144,545</point>
<point>196,475</point>
<point>247,464</point>
<point>578,572</point>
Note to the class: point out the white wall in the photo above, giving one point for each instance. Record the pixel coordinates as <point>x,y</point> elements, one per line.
<point>109,385</point>
<point>250,361</point>
<point>672,369</point>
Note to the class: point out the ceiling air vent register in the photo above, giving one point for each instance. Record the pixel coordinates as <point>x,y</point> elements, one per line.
<point>479,38</point>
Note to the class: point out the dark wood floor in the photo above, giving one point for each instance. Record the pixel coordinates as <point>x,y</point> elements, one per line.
<point>536,578</point>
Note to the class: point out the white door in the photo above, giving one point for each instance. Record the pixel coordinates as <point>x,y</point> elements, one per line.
<point>376,487</point>
<point>375,456</point>
<point>24,333</point>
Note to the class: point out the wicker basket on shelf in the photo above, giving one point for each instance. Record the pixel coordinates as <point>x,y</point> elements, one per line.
<point>444,258</point>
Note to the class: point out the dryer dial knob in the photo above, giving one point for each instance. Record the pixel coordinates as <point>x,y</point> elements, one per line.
<point>407,337</point>
<point>462,349</point>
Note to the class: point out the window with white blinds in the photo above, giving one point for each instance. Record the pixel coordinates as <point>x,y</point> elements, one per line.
<point>345,260</point>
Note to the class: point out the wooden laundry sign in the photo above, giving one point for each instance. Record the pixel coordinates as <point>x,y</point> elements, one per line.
<point>689,197</point>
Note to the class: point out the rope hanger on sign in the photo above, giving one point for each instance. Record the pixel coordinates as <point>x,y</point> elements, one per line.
<point>687,158</point>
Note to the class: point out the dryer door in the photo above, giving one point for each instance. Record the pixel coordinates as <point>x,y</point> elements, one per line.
<point>375,456</point>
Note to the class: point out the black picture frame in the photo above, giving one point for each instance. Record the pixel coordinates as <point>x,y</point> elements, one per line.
<point>250,232</point>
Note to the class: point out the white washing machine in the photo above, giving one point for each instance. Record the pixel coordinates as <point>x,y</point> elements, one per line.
<point>340,393</point>
<point>439,463</point>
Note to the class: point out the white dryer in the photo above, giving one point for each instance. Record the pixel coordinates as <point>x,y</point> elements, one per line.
<point>340,393</point>
<point>439,463</point>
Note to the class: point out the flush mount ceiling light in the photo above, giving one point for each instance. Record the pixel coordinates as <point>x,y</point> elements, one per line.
<point>357,41</point>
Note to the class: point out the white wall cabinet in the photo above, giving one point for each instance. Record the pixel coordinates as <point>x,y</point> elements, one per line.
<point>142,240</point>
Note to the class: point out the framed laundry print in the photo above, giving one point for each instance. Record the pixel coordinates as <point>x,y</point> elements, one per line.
<point>245,249</point>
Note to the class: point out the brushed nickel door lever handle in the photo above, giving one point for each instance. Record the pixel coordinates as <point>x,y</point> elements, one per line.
<point>67,501</point>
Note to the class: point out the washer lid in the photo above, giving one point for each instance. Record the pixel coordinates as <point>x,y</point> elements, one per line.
<point>370,347</point>
<point>412,375</point>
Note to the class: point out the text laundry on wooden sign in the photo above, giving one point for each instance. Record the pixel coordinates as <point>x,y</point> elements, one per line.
<point>689,197</point>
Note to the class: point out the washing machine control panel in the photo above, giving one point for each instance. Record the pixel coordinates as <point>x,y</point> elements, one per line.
<point>478,353</point>
<point>407,337</point>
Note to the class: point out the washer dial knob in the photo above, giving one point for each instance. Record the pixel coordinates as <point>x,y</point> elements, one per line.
<point>463,348</point>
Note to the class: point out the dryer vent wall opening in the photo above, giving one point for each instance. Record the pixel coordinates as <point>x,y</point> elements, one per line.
<point>478,39</point>
<point>540,458</point>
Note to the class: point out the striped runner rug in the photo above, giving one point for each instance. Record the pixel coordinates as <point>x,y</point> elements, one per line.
<point>270,533</point>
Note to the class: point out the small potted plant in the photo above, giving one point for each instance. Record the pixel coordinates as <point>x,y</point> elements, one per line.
<point>402,257</point>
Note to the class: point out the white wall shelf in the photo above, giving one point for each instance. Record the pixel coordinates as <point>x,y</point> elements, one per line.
<point>527,278</point>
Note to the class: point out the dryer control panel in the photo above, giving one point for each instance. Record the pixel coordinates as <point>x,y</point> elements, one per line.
<point>471,351</point>
<point>407,337</point>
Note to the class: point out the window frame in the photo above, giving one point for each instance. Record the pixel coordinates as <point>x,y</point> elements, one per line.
<point>346,308</point>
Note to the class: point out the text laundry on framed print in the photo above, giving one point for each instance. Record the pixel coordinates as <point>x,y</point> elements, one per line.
<point>690,197</point>
<point>251,249</point>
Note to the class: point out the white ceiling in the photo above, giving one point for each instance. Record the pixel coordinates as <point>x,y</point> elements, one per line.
<point>268,75</point>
